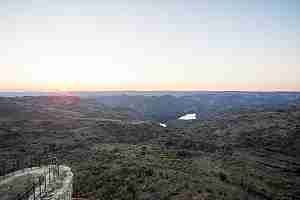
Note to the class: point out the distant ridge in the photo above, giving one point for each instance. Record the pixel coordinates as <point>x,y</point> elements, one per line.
<point>132,93</point>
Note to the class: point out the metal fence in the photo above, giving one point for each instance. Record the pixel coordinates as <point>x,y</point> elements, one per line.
<point>38,189</point>
<point>10,165</point>
<point>38,186</point>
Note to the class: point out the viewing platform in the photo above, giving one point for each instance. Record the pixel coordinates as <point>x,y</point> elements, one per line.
<point>47,182</point>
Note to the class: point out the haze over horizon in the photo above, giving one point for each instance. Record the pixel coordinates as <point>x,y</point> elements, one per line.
<point>149,45</point>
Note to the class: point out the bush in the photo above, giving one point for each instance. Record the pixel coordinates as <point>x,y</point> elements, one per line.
<point>223,176</point>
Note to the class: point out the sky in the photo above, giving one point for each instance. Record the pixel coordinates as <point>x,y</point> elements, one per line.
<point>149,45</point>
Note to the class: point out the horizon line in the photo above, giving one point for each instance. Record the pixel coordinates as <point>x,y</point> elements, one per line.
<point>121,90</point>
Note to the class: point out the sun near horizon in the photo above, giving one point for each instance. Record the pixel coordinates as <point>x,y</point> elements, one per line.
<point>138,45</point>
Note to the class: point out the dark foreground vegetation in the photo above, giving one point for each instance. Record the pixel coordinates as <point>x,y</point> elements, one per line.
<point>117,150</point>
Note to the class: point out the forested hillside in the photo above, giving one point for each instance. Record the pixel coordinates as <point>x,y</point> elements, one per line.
<point>115,153</point>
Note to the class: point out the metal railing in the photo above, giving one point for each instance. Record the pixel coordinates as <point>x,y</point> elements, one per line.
<point>16,163</point>
<point>37,188</point>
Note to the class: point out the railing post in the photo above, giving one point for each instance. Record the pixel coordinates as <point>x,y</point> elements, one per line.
<point>33,190</point>
<point>58,170</point>
<point>4,168</point>
<point>40,185</point>
<point>49,174</point>
<point>45,189</point>
<point>53,173</point>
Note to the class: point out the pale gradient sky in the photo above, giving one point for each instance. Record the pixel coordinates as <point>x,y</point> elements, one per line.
<point>149,45</point>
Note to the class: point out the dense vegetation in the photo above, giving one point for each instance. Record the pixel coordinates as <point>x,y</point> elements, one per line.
<point>205,104</point>
<point>245,152</point>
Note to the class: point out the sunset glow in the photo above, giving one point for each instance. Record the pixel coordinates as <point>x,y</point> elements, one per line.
<point>162,46</point>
